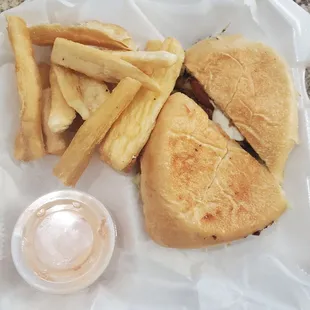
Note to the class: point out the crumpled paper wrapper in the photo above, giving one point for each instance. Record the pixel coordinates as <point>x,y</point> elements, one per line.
<point>266,272</point>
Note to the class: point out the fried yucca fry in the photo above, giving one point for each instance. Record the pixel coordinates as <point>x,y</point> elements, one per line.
<point>69,84</point>
<point>97,64</point>
<point>132,129</point>
<point>29,143</point>
<point>152,46</point>
<point>44,70</point>
<point>90,33</point>
<point>147,59</point>
<point>61,115</point>
<point>77,156</point>
<point>55,143</point>
<point>94,93</point>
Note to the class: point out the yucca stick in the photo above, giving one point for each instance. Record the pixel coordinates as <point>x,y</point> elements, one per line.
<point>94,93</point>
<point>55,143</point>
<point>97,64</point>
<point>132,129</point>
<point>29,143</point>
<point>90,33</point>
<point>68,82</point>
<point>142,59</point>
<point>152,46</point>
<point>77,156</point>
<point>61,115</point>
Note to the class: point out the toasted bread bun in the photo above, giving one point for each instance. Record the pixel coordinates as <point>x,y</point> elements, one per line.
<point>251,84</point>
<point>200,188</point>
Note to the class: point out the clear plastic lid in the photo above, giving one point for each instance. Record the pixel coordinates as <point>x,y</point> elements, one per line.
<point>63,241</point>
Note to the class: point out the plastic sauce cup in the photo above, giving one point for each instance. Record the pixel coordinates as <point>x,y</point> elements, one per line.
<point>63,242</point>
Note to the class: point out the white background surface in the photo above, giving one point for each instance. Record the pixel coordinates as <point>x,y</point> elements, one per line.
<point>266,272</point>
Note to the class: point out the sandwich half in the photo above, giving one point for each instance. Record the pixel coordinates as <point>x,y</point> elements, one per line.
<point>252,85</point>
<point>200,188</point>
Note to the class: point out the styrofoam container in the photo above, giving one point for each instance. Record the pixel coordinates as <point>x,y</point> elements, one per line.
<point>266,272</point>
